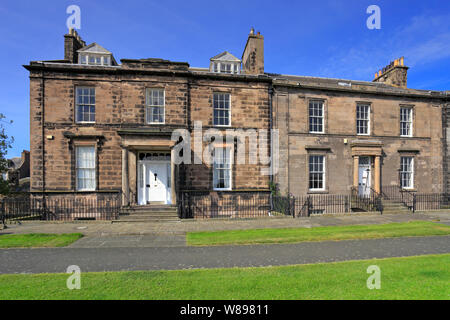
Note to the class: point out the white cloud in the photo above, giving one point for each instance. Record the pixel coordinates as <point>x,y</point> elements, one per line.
<point>425,39</point>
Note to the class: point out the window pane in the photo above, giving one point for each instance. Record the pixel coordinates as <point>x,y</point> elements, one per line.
<point>85,104</point>
<point>222,168</point>
<point>362,119</point>
<point>406,121</point>
<point>85,166</point>
<point>316,172</point>
<point>406,172</point>
<point>221,108</point>
<point>316,116</point>
<point>155,105</point>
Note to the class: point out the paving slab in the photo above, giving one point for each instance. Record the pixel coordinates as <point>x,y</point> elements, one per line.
<point>142,241</point>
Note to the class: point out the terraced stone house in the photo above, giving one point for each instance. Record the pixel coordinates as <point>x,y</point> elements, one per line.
<point>342,134</point>
<point>100,128</point>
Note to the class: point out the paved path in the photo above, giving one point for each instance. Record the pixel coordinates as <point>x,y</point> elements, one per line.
<point>115,259</point>
<point>100,229</point>
<point>142,241</point>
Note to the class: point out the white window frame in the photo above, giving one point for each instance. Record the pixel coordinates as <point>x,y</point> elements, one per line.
<point>367,120</point>
<point>83,104</point>
<point>148,106</point>
<point>216,67</point>
<point>94,169</point>
<point>229,109</point>
<point>411,172</point>
<point>324,172</point>
<point>229,167</point>
<point>94,55</point>
<point>322,103</point>
<point>411,121</point>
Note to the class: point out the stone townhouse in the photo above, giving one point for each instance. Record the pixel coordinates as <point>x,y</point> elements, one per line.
<point>99,127</point>
<point>338,135</point>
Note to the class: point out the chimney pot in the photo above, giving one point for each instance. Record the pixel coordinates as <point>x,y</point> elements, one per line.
<point>253,55</point>
<point>394,74</point>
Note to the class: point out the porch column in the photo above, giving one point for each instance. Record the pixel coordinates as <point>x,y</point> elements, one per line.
<point>125,186</point>
<point>377,174</point>
<point>355,171</point>
<point>172,177</point>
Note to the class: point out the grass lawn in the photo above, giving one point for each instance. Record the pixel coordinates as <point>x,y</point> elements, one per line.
<point>35,240</point>
<point>421,277</point>
<point>290,235</point>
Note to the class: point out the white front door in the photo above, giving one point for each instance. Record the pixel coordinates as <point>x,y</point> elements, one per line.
<point>364,182</point>
<point>157,182</point>
<point>154,182</point>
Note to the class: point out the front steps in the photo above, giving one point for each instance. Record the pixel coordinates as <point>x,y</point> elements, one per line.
<point>149,213</point>
<point>390,206</point>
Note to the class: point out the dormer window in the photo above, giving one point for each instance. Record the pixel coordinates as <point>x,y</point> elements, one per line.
<point>225,63</point>
<point>95,55</point>
<point>94,59</point>
<point>226,67</point>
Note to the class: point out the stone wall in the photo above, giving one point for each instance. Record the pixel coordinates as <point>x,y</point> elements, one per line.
<point>120,104</point>
<point>296,143</point>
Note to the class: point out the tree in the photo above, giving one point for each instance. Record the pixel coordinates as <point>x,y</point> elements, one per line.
<point>5,144</point>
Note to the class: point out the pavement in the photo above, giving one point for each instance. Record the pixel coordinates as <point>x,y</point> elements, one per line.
<point>172,229</point>
<point>56,260</point>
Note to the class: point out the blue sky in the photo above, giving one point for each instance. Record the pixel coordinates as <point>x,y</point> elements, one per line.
<point>324,38</point>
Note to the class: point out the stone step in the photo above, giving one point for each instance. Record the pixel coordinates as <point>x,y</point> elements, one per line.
<point>150,208</point>
<point>395,207</point>
<point>397,211</point>
<point>140,218</point>
<point>149,211</point>
<point>155,220</point>
<point>154,214</point>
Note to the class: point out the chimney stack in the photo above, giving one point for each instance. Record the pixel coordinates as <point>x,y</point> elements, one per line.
<point>394,74</point>
<point>72,43</point>
<point>253,56</point>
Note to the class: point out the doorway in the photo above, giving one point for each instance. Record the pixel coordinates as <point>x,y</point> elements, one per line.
<point>154,174</point>
<point>364,176</point>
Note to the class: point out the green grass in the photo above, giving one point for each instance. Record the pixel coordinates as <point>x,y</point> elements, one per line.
<point>422,277</point>
<point>36,240</point>
<point>290,235</point>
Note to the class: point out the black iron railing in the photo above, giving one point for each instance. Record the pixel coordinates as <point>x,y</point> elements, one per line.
<point>397,194</point>
<point>432,201</point>
<point>223,204</point>
<point>64,207</point>
<point>322,203</point>
<point>284,205</point>
<point>372,201</point>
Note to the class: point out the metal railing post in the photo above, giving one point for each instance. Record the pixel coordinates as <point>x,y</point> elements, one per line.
<point>2,213</point>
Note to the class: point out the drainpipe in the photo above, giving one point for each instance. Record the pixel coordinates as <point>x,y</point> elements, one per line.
<point>43,143</point>
<point>270,91</point>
